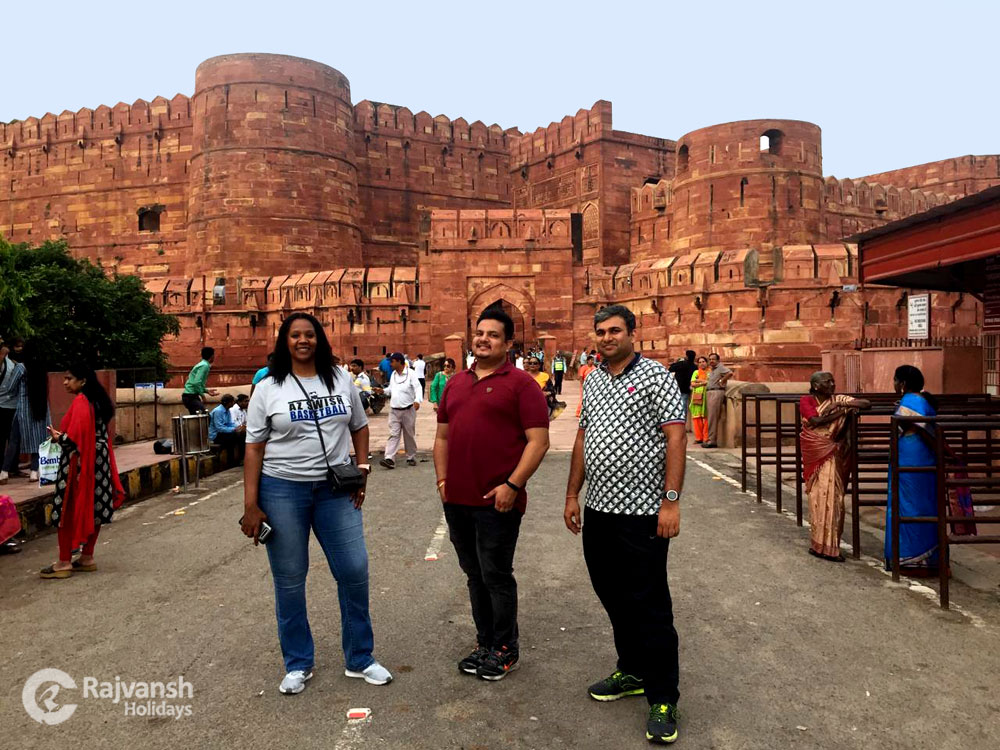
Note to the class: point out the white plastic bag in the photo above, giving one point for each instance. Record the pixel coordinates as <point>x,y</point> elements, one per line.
<point>48,462</point>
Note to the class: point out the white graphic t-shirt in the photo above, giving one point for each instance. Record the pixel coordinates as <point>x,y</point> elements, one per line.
<point>282,416</point>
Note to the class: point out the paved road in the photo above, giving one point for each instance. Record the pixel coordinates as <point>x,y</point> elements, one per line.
<point>778,649</point>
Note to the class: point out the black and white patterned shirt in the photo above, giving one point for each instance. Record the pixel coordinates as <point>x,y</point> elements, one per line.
<point>624,447</point>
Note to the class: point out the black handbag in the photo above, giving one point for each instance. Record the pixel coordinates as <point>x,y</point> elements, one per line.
<point>344,478</point>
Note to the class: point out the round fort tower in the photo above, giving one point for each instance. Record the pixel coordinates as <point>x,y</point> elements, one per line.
<point>753,183</point>
<point>273,186</point>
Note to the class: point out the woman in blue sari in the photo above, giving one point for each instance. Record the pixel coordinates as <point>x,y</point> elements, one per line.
<point>918,542</point>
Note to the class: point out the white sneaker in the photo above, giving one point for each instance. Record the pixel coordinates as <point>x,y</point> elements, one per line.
<point>33,476</point>
<point>3,477</point>
<point>376,674</point>
<point>294,682</point>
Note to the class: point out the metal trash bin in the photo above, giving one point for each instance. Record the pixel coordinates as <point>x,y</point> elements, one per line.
<point>190,439</point>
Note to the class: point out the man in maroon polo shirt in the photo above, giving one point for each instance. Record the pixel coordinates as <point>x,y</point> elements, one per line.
<point>493,431</point>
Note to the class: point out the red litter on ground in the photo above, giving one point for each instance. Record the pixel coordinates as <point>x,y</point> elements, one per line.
<point>358,714</point>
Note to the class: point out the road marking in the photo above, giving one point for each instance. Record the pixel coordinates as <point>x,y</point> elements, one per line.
<point>437,541</point>
<point>918,588</point>
<point>181,511</point>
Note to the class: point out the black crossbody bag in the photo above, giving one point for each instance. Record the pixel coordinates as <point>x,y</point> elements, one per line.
<point>344,478</point>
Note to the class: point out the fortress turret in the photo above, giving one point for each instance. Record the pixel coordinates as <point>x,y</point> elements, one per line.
<point>273,184</point>
<point>754,183</point>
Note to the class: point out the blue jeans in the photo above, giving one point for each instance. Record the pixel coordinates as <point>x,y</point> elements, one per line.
<point>293,508</point>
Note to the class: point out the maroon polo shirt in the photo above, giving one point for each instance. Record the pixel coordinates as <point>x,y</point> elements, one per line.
<point>486,422</point>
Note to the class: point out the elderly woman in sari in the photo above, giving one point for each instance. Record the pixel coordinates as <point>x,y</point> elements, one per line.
<point>825,445</point>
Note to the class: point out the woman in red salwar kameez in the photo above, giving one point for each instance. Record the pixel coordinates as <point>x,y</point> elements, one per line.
<point>826,449</point>
<point>88,488</point>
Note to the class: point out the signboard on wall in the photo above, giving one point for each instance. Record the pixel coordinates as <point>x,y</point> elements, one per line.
<point>991,296</point>
<point>919,316</point>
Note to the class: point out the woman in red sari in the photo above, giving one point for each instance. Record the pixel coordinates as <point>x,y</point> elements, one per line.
<point>87,489</point>
<point>826,448</point>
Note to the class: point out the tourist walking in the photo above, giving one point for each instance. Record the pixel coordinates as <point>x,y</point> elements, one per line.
<point>419,367</point>
<point>298,477</point>
<point>11,373</point>
<point>630,448</point>
<point>683,370</point>
<point>32,412</point>
<point>88,489</point>
<point>589,366</point>
<point>492,433</point>
<point>699,382</point>
<point>196,387</point>
<point>405,396</point>
<point>361,381</point>
<point>385,368</point>
<point>558,371</point>
<point>825,441</point>
<point>440,381</point>
<point>715,398</point>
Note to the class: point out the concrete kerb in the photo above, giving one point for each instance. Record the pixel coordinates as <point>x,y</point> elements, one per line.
<point>140,483</point>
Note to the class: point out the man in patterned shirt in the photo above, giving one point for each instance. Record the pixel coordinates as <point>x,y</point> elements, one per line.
<point>631,449</point>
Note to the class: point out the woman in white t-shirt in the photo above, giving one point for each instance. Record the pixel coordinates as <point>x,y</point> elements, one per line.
<point>285,484</point>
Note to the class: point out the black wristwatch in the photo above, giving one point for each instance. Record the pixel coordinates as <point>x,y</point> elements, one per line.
<point>671,496</point>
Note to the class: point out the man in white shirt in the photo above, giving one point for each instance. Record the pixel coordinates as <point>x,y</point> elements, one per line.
<point>420,368</point>
<point>519,361</point>
<point>405,396</point>
<point>239,410</point>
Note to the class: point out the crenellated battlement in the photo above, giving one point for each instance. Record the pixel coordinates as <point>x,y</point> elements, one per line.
<point>378,118</point>
<point>961,175</point>
<point>573,130</point>
<point>103,122</point>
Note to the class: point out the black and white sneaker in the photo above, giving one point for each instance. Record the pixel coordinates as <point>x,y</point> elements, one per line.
<point>388,463</point>
<point>471,663</point>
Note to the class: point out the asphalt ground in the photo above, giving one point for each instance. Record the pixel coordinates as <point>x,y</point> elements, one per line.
<point>778,649</point>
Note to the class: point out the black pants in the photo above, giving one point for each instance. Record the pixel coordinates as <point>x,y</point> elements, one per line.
<point>559,376</point>
<point>192,402</point>
<point>423,383</point>
<point>235,442</point>
<point>628,568</point>
<point>6,423</point>
<point>484,541</point>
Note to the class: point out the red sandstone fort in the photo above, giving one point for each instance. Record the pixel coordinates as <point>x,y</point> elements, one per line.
<point>269,191</point>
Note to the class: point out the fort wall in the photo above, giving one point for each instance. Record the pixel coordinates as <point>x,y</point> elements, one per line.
<point>85,175</point>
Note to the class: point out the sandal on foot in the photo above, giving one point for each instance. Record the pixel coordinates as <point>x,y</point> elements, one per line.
<point>79,567</point>
<point>51,572</point>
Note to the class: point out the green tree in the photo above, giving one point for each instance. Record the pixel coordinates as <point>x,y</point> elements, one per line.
<point>78,313</point>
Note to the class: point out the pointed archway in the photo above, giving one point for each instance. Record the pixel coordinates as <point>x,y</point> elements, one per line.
<point>515,303</point>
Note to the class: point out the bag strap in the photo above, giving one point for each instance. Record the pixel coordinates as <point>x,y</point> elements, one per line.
<point>312,408</point>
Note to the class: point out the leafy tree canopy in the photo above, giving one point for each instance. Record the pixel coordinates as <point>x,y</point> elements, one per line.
<point>75,312</point>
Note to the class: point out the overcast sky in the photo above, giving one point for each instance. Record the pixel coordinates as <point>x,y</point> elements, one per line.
<point>891,84</point>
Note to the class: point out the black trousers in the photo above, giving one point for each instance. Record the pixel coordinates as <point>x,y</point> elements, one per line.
<point>233,441</point>
<point>423,384</point>
<point>484,541</point>
<point>6,424</point>
<point>559,376</point>
<point>628,568</point>
<point>192,402</point>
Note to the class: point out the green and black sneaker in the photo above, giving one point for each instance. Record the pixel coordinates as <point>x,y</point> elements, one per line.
<point>618,685</point>
<point>661,726</point>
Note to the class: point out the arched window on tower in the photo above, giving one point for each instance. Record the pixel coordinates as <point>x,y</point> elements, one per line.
<point>682,158</point>
<point>770,142</point>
